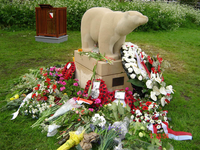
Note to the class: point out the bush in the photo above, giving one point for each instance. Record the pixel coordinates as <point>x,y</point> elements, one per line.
<point>162,16</point>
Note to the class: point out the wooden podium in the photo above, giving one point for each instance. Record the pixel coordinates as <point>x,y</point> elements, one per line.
<point>51,23</point>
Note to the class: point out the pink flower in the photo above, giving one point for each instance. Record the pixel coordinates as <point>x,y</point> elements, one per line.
<point>60,75</point>
<point>77,112</point>
<point>126,88</point>
<point>85,95</point>
<point>79,93</point>
<point>58,69</point>
<point>76,80</point>
<point>91,109</point>
<point>52,69</point>
<point>50,73</point>
<point>62,88</point>
<point>130,92</point>
<point>61,78</point>
<point>97,101</point>
<point>63,83</point>
<point>75,84</point>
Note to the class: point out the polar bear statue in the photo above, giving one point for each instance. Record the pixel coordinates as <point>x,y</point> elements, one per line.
<point>107,29</point>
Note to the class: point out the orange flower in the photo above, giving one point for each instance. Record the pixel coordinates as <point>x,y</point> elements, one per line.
<point>80,50</point>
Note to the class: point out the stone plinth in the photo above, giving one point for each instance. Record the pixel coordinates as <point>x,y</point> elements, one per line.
<point>51,39</point>
<point>113,75</point>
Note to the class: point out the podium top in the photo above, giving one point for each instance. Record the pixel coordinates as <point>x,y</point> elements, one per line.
<point>45,6</point>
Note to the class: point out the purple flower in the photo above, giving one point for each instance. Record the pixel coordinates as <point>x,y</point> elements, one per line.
<point>75,84</point>
<point>97,101</point>
<point>79,93</point>
<point>62,88</point>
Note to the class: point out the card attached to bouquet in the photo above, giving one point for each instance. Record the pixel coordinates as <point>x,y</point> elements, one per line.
<point>120,95</point>
<point>69,65</point>
<point>96,85</point>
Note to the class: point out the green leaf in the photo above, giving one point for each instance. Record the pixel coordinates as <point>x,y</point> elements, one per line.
<point>136,103</point>
<point>128,108</point>
<point>120,109</point>
<point>136,82</point>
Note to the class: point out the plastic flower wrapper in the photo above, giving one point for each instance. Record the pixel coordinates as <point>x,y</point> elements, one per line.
<point>64,108</point>
<point>75,138</point>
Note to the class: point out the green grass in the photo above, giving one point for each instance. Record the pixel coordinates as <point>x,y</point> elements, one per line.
<point>181,48</point>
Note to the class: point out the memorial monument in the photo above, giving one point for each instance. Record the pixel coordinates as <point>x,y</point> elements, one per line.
<point>106,30</point>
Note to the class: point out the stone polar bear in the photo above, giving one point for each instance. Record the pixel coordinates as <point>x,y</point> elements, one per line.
<point>107,29</point>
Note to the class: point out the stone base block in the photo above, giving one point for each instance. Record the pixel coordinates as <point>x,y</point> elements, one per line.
<point>113,75</point>
<point>48,39</point>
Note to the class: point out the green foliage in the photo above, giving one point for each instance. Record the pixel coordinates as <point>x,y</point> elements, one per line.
<point>18,14</point>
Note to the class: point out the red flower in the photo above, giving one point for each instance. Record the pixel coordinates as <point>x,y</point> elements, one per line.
<point>148,103</point>
<point>41,69</point>
<point>45,98</point>
<point>159,59</point>
<point>145,108</point>
<point>38,85</point>
<point>45,74</point>
<point>153,70</point>
<point>48,80</point>
<point>150,60</point>
<point>34,95</point>
<point>36,88</point>
<point>159,68</point>
<point>54,87</point>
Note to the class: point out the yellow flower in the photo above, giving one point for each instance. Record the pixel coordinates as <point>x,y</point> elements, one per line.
<point>65,93</point>
<point>16,96</point>
<point>73,59</point>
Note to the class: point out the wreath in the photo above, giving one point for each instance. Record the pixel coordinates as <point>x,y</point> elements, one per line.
<point>68,70</point>
<point>99,93</point>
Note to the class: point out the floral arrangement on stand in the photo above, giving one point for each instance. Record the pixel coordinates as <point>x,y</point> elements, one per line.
<point>93,117</point>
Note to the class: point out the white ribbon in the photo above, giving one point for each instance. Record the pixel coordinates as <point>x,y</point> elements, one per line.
<point>15,114</point>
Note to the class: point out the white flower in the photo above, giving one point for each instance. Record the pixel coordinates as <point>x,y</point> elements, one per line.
<point>163,101</point>
<point>158,127</point>
<point>153,96</point>
<point>140,78</point>
<point>132,117</point>
<point>130,70</point>
<point>159,121</point>
<point>142,128</point>
<point>152,121</point>
<point>153,75</point>
<point>158,79</point>
<point>163,91</point>
<point>149,84</point>
<point>156,90</point>
<point>137,70</point>
<point>132,76</point>
<point>127,65</point>
<point>142,117</point>
<point>169,89</point>
<point>141,134</point>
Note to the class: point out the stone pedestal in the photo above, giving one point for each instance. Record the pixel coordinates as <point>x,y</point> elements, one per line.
<point>113,75</point>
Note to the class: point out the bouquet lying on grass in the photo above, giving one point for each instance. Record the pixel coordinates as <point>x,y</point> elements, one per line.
<point>93,117</point>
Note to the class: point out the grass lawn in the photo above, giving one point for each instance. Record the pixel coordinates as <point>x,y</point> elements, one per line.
<point>181,48</point>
